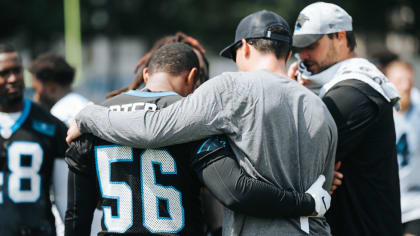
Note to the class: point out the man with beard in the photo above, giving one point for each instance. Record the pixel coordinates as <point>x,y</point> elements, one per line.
<point>30,140</point>
<point>361,100</point>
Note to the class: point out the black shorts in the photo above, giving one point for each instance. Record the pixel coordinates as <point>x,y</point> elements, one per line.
<point>412,227</point>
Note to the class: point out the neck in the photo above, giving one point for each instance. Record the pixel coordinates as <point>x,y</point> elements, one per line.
<point>348,55</point>
<point>62,93</point>
<point>59,93</point>
<point>270,63</point>
<point>405,102</point>
<point>10,108</point>
<point>159,82</point>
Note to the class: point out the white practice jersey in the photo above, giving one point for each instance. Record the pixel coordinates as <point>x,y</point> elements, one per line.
<point>407,127</point>
<point>67,107</point>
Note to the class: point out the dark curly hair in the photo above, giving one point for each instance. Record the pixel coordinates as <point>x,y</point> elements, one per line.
<point>52,67</point>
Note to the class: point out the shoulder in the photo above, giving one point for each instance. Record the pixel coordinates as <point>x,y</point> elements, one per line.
<point>355,90</point>
<point>138,100</point>
<point>217,88</point>
<point>353,101</point>
<point>72,102</point>
<point>44,122</point>
<point>67,107</point>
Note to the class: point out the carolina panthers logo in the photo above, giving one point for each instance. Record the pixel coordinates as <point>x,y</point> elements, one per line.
<point>403,151</point>
<point>300,21</point>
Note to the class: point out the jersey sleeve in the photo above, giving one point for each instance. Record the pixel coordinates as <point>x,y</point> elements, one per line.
<point>204,113</point>
<point>353,113</point>
<point>82,194</point>
<point>218,170</point>
<point>79,155</point>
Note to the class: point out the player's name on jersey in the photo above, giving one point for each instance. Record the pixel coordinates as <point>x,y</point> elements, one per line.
<point>134,107</point>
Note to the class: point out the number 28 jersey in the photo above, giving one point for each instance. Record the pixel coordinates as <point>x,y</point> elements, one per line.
<point>141,191</point>
<point>27,153</point>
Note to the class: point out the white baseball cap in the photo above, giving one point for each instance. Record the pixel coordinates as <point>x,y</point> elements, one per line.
<point>318,19</point>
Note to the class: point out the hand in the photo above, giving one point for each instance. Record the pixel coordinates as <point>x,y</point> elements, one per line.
<point>338,178</point>
<point>73,132</point>
<point>292,72</point>
<point>321,197</point>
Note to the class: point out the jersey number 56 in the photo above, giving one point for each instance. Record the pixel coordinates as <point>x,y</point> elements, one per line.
<point>151,192</point>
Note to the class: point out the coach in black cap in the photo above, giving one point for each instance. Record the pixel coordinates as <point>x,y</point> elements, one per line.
<point>259,25</point>
<point>279,131</point>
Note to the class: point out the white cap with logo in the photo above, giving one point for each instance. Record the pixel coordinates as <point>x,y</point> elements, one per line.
<point>318,19</point>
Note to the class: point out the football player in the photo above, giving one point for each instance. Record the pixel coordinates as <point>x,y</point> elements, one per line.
<point>52,78</point>
<point>30,140</point>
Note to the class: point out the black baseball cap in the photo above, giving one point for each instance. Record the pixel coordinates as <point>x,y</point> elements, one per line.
<point>256,26</point>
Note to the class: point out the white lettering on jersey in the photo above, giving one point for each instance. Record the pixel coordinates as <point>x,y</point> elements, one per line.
<point>130,107</point>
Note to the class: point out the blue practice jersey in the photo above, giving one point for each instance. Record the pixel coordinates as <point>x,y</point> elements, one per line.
<point>26,162</point>
<point>141,191</point>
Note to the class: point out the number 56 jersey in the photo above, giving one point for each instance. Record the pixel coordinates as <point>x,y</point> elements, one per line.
<point>27,154</point>
<point>141,191</point>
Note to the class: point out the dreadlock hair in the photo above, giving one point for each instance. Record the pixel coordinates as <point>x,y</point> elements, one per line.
<point>203,71</point>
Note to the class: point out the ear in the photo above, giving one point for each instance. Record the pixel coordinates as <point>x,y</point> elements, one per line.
<point>342,38</point>
<point>145,74</point>
<point>246,48</point>
<point>341,35</point>
<point>191,76</point>
<point>288,56</point>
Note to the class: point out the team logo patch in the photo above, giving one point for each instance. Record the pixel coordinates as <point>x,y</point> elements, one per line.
<point>44,128</point>
<point>211,144</point>
<point>300,21</point>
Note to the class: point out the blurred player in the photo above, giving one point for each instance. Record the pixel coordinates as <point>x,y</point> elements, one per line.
<point>407,125</point>
<point>30,139</point>
<point>52,77</point>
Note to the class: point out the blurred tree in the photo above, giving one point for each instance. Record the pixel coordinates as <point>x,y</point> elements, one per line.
<point>35,24</point>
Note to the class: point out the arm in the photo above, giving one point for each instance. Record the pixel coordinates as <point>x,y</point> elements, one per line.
<point>81,204</point>
<point>213,212</point>
<point>82,189</point>
<point>201,114</point>
<point>219,171</point>
<point>60,172</point>
<point>353,113</point>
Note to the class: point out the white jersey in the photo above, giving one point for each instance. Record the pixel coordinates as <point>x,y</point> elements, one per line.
<point>68,106</point>
<point>407,127</point>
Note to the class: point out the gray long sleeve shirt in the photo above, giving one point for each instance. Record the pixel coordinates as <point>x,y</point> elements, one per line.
<point>279,131</point>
